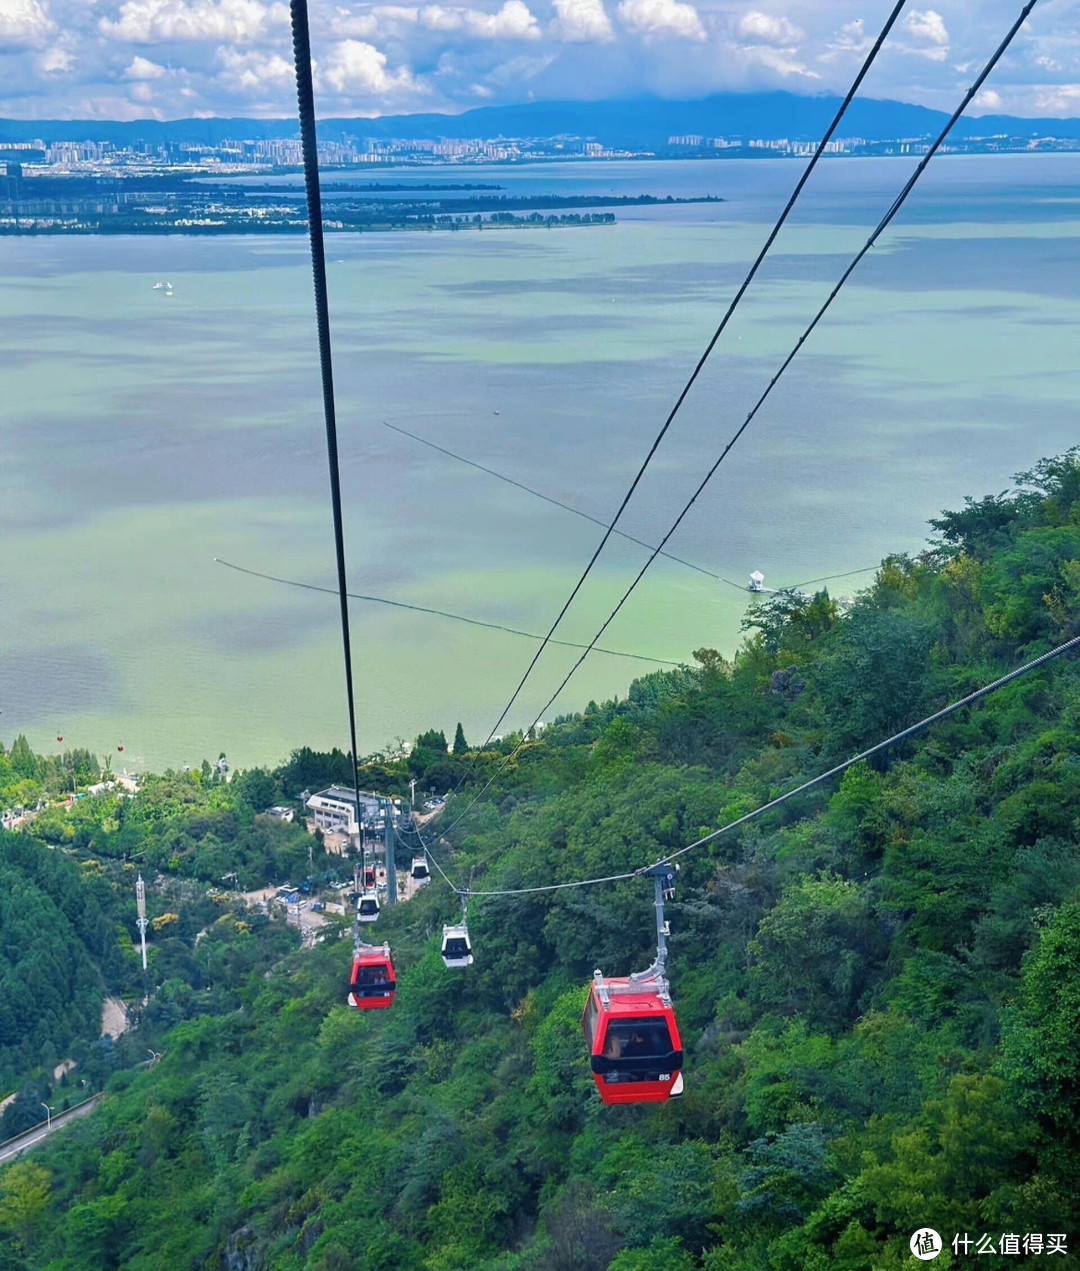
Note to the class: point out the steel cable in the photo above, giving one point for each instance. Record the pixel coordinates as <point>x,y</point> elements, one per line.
<point>305,100</point>
<point>569,507</point>
<point>732,306</point>
<point>897,203</point>
<point>904,733</point>
<point>438,613</point>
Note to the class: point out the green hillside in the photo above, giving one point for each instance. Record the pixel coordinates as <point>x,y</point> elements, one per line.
<point>57,949</point>
<point>68,914</point>
<point>876,985</point>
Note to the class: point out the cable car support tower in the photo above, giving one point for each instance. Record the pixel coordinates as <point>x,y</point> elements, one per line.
<point>142,922</point>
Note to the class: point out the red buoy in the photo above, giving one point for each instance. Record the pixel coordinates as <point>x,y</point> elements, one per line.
<point>372,984</point>
<point>635,1049</point>
<point>119,748</point>
<point>59,737</point>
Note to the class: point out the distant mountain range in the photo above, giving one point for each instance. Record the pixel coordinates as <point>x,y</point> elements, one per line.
<point>640,123</point>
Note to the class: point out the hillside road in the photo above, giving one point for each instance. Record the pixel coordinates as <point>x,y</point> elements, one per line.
<point>35,1137</point>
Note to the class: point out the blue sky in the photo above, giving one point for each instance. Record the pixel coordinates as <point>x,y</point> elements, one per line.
<point>124,59</point>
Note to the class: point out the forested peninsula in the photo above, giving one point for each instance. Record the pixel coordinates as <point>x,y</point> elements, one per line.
<point>177,204</point>
<point>877,984</point>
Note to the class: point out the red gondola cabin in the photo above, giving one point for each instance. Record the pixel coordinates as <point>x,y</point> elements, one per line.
<point>372,984</point>
<point>634,1042</point>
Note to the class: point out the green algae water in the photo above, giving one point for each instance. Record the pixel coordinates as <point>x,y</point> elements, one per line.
<point>142,435</point>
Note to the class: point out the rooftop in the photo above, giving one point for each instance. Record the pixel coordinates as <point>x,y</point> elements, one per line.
<point>340,792</point>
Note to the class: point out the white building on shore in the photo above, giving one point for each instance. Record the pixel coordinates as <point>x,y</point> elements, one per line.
<point>334,809</point>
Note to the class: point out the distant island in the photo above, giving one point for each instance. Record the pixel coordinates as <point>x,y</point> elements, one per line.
<point>183,205</point>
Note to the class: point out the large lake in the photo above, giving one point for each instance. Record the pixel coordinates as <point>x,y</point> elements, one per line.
<point>143,435</point>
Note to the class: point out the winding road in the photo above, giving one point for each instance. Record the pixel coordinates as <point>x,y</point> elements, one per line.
<point>33,1138</point>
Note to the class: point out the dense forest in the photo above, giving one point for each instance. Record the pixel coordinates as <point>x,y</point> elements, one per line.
<point>877,985</point>
<point>56,947</point>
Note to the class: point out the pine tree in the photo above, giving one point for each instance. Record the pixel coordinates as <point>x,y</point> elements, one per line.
<point>23,760</point>
<point>460,744</point>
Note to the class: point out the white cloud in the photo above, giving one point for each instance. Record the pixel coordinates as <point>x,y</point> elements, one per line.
<point>771,42</point>
<point>55,61</point>
<point>359,25</point>
<point>142,68</point>
<point>513,21</point>
<point>932,54</point>
<point>582,21</point>
<point>148,21</point>
<point>763,28</point>
<point>519,70</point>
<point>1061,100</point>
<point>24,24</point>
<point>661,18</point>
<point>988,99</point>
<point>217,55</point>
<point>851,38</point>
<point>107,105</point>
<point>251,70</point>
<point>927,28</point>
<point>383,17</point>
<point>927,25</point>
<point>355,68</point>
<point>782,62</point>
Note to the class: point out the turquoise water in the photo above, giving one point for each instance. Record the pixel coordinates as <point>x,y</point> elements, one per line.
<point>144,435</point>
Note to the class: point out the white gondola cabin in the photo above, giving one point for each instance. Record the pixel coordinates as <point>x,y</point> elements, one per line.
<point>420,871</point>
<point>367,906</point>
<point>456,946</point>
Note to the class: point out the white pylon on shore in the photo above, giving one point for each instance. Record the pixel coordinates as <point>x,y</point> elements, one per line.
<point>142,921</point>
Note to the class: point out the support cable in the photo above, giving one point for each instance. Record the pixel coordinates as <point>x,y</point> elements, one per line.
<point>567,507</point>
<point>903,735</point>
<point>828,578</point>
<point>898,202</point>
<point>732,306</point>
<point>305,99</point>
<point>439,613</point>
